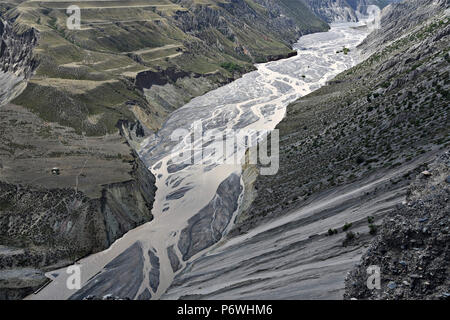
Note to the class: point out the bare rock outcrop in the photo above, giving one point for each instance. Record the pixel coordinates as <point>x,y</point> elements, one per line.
<point>412,249</point>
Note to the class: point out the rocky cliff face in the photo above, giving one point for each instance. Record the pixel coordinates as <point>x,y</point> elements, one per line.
<point>333,10</point>
<point>412,248</point>
<point>343,10</point>
<point>399,19</point>
<point>17,61</point>
<point>57,226</point>
<point>288,19</point>
<point>16,50</point>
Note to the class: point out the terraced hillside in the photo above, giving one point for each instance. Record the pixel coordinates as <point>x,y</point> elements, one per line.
<point>144,58</point>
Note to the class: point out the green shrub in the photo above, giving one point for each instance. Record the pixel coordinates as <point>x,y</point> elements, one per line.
<point>346,226</point>
<point>349,236</point>
<point>359,159</point>
<point>231,66</point>
<point>332,232</point>
<point>373,229</point>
